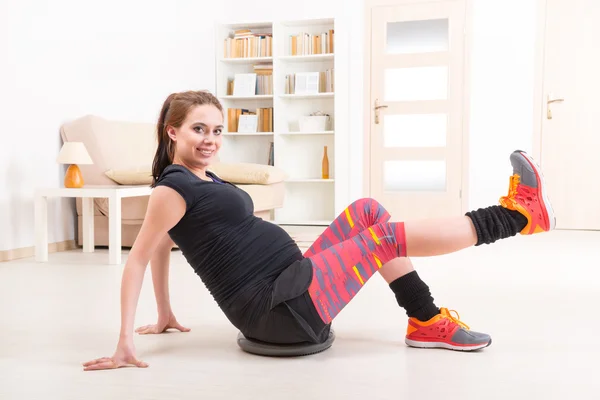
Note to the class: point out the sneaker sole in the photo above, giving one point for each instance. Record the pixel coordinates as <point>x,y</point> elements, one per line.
<point>443,345</point>
<point>542,183</point>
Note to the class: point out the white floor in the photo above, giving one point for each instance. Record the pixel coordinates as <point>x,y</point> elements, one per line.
<point>537,296</point>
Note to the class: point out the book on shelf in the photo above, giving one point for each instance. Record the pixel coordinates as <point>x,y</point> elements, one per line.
<point>264,83</point>
<point>304,43</point>
<point>310,82</point>
<point>264,116</point>
<point>246,44</point>
<point>260,82</point>
<point>271,154</point>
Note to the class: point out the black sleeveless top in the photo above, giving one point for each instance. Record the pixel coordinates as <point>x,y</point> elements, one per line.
<point>237,255</point>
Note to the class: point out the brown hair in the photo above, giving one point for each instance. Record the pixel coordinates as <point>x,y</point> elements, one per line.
<point>173,113</point>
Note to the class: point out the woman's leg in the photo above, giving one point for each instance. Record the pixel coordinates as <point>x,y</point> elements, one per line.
<point>357,217</point>
<point>342,269</point>
<point>411,292</point>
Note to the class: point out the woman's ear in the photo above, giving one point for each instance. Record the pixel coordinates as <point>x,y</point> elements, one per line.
<point>171,133</point>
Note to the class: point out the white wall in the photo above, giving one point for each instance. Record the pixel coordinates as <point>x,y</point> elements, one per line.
<point>67,58</point>
<point>120,60</point>
<point>502,86</point>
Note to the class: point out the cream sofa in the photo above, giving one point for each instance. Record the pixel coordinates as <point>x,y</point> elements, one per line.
<point>122,153</point>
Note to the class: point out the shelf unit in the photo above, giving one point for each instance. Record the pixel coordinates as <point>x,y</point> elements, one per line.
<point>309,199</point>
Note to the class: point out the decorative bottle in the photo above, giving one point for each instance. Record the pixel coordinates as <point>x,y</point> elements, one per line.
<point>325,164</point>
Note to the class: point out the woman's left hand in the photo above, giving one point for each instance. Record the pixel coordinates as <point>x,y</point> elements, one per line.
<point>161,326</point>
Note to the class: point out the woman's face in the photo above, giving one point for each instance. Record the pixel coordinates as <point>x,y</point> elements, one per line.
<point>198,139</point>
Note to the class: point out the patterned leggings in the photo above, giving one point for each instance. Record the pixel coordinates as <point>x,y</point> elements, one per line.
<point>349,252</point>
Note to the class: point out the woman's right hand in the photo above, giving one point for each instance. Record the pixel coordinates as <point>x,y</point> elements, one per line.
<point>124,357</point>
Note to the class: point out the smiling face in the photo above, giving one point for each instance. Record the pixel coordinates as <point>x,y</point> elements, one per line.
<point>198,139</point>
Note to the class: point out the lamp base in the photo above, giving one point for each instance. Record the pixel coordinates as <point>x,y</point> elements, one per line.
<point>73,177</point>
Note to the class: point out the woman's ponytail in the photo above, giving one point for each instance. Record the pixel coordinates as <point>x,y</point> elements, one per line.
<point>164,152</point>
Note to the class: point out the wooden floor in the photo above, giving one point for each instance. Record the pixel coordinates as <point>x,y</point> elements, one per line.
<point>537,296</point>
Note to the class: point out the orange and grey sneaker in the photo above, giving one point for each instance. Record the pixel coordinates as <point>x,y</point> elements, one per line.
<point>446,332</point>
<point>527,194</point>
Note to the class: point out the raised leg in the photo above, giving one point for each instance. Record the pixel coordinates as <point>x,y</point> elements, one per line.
<point>88,224</point>
<point>357,217</point>
<point>410,291</point>
<point>41,228</point>
<point>114,229</point>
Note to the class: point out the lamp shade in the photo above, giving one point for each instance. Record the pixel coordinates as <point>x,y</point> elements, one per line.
<point>73,153</point>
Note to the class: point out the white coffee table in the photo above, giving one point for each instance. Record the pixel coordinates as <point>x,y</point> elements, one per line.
<point>87,193</point>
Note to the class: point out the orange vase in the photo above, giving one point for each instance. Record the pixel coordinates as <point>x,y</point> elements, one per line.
<point>325,164</point>
<point>73,177</point>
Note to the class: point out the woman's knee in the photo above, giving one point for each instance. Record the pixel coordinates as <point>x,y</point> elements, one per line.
<point>370,206</point>
<point>366,203</point>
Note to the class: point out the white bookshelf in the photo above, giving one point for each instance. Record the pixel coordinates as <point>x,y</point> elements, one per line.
<point>309,199</point>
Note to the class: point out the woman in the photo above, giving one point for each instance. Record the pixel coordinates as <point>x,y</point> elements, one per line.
<point>256,272</point>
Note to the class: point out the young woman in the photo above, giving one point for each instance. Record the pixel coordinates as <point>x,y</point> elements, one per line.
<point>256,272</point>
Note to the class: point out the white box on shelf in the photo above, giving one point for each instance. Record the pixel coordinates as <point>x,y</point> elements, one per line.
<point>244,84</point>
<point>248,124</point>
<point>313,123</point>
<point>306,83</point>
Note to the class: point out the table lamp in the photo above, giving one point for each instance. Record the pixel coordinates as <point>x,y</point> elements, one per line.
<point>73,153</point>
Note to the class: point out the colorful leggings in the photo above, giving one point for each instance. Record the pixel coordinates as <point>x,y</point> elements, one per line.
<point>347,254</point>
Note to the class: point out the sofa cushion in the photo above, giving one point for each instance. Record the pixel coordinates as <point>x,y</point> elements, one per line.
<point>137,176</point>
<point>248,174</point>
<point>237,173</point>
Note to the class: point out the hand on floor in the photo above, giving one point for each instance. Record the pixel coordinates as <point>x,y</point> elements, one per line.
<point>162,326</point>
<point>124,357</point>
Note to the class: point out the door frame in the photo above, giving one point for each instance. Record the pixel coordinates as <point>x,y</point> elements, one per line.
<point>538,88</point>
<point>368,109</point>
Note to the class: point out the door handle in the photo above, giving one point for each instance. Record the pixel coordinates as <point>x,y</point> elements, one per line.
<point>549,101</point>
<point>377,108</point>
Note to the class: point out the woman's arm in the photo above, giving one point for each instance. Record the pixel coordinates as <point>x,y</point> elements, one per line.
<point>165,208</point>
<point>160,276</point>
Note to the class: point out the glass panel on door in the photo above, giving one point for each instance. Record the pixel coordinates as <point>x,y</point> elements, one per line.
<point>414,130</point>
<point>404,37</point>
<point>421,175</point>
<point>416,84</point>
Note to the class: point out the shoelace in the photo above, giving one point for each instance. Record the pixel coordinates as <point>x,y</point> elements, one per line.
<point>448,314</point>
<point>512,191</point>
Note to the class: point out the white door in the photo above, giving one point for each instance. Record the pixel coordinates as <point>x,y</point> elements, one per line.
<point>416,101</point>
<point>570,120</point>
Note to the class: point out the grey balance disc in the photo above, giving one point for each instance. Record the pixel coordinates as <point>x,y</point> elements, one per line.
<point>283,350</point>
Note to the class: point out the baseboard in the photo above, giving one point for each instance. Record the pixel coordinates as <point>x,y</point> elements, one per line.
<point>26,252</point>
